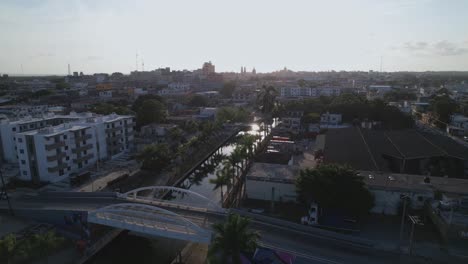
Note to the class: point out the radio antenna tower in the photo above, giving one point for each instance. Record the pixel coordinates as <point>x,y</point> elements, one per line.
<point>136,61</point>
<point>69,71</point>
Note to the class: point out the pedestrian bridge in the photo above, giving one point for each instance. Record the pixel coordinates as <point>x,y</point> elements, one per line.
<point>149,220</point>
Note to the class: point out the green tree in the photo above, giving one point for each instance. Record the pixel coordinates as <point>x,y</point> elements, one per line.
<point>443,107</point>
<point>231,239</point>
<point>197,101</point>
<point>139,101</point>
<point>232,114</point>
<point>228,89</point>
<point>334,186</point>
<point>42,93</point>
<point>46,243</point>
<point>151,111</point>
<point>9,248</point>
<point>155,157</point>
<point>223,178</point>
<point>266,99</point>
<point>248,143</point>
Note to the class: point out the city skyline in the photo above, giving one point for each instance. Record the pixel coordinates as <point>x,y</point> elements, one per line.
<point>43,37</point>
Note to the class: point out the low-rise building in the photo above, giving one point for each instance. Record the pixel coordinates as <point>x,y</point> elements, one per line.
<point>458,125</point>
<point>271,182</point>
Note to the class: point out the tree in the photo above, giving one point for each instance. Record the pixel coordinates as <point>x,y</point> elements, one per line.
<point>232,114</point>
<point>42,93</point>
<point>228,89</point>
<point>443,106</point>
<point>266,99</point>
<point>223,178</point>
<point>155,157</point>
<point>151,111</point>
<point>108,108</point>
<point>336,187</point>
<point>139,101</point>
<point>45,243</point>
<point>8,248</point>
<point>197,101</point>
<point>231,239</point>
<point>237,157</point>
<point>248,143</point>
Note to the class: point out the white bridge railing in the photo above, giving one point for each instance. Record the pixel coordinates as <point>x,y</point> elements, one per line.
<point>149,220</point>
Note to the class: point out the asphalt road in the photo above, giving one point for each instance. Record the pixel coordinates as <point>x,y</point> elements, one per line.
<point>308,248</point>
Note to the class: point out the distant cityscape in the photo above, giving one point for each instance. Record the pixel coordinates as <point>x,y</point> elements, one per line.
<point>375,162</point>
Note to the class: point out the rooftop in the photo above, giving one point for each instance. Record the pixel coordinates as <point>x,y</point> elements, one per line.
<point>273,172</point>
<point>399,181</point>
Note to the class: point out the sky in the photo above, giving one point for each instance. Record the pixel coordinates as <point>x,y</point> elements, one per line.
<point>44,36</point>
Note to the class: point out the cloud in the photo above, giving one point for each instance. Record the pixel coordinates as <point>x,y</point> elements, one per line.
<point>439,48</point>
<point>42,55</point>
<point>445,48</point>
<point>94,58</point>
<point>417,46</point>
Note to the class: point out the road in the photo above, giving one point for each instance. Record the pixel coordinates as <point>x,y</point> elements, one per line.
<point>308,247</point>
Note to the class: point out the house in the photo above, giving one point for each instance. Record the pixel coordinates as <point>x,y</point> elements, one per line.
<point>377,91</point>
<point>458,125</point>
<point>328,119</point>
<point>158,130</point>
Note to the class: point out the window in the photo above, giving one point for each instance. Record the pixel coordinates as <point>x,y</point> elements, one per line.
<point>84,142</point>
<point>23,162</point>
<point>66,147</point>
<point>85,152</point>
<point>64,136</point>
<point>420,198</point>
<point>67,158</point>
<point>86,162</point>
<point>20,140</point>
<point>68,168</point>
<point>13,129</point>
<point>61,173</point>
<point>22,151</point>
<point>25,173</point>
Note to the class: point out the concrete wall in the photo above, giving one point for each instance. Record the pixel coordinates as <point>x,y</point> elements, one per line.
<point>387,202</point>
<point>262,190</point>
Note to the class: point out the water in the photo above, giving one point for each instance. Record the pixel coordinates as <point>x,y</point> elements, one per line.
<point>148,250</point>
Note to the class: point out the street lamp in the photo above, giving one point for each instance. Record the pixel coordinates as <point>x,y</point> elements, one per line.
<point>415,220</point>
<point>4,190</point>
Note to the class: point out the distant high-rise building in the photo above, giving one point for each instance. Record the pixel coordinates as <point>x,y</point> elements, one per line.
<point>75,74</point>
<point>81,73</point>
<point>254,71</point>
<point>208,68</point>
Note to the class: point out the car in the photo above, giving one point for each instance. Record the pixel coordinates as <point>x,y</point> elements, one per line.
<point>465,138</point>
<point>257,211</point>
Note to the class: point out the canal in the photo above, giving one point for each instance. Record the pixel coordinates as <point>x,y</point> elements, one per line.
<point>127,248</point>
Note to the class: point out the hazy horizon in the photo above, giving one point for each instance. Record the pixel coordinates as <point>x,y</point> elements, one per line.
<point>43,37</point>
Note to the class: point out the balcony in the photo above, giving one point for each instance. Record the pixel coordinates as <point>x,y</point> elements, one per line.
<point>112,140</point>
<point>56,156</point>
<point>83,137</point>
<point>114,129</point>
<point>82,148</point>
<point>55,145</point>
<point>85,157</point>
<point>57,168</point>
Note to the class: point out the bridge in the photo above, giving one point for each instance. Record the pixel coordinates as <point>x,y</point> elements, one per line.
<point>172,212</point>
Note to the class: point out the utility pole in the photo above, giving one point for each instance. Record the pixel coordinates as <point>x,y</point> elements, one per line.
<point>6,194</point>
<point>403,215</point>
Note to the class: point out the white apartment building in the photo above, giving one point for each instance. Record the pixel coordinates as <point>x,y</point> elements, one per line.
<point>51,152</point>
<point>309,92</point>
<point>175,88</point>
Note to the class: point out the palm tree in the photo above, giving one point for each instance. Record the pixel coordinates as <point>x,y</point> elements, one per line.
<point>231,239</point>
<point>236,157</point>
<point>248,142</point>
<point>223,178</point>
<point>266,98</point>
